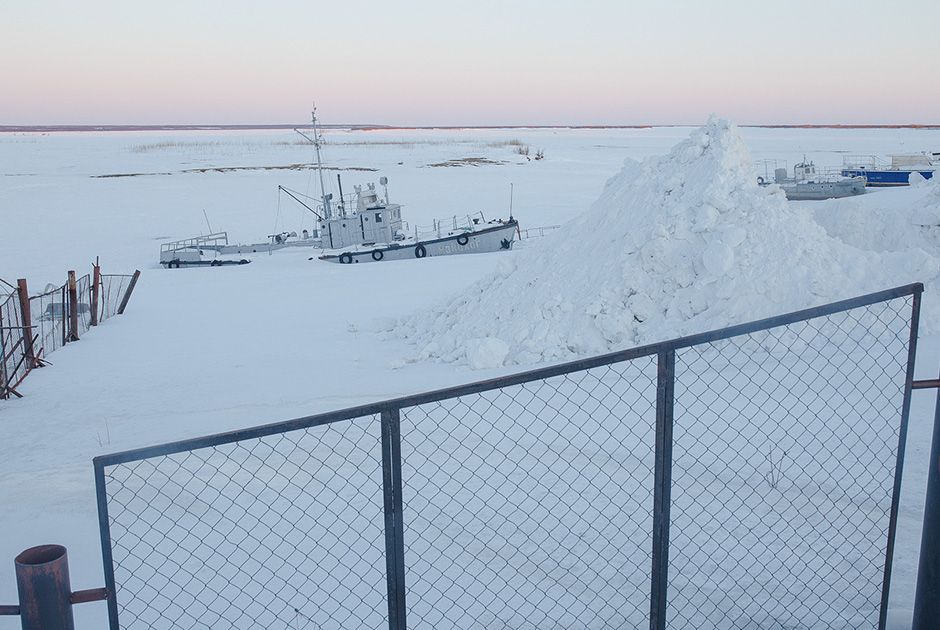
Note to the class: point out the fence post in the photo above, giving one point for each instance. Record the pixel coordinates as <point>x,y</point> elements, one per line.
<point>3,362</point>
<point>104,529</point>
<point>95,283</point>
<point>42,580</point>
<point>127,294</point>
<point>73,308</point>
<point>63,298</point>
<point>662,486</point>
<point>927,594</point>
<point>26,321</point>
<point>394,524</point>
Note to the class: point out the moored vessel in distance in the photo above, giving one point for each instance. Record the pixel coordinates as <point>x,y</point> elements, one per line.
<point>361,226</point>
<point>896,172</point>
<point>807,184</point>
<point>491,236</point>
<point>369,228</point>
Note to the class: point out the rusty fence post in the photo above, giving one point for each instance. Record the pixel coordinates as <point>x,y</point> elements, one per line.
<point>26,321</point>
<point>46,597</point>
<point>127,294</point>
<point>95,287</point>
<point>73,308</point>
<point>42,580</point>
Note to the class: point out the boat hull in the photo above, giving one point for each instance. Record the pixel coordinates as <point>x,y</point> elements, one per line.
<point>890,177</point>
<point>815,191</point>
<point>176,263</point>
<point>491,239</point>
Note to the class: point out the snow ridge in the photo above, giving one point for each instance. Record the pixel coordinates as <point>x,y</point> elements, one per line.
<point>674,245</point>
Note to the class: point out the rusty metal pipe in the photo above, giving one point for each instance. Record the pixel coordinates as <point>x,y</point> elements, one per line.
<point>42,580</point>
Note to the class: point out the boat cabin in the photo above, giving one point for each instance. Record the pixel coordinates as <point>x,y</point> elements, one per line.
<point>804,171</point>
<point>372,222</point>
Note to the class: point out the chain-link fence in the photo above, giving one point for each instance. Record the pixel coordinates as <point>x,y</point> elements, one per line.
<point>12,343</point>
<point>749,478</point>
<point>46,324</point>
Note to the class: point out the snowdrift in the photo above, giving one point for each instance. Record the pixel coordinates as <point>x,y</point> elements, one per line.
<point>675,245</point>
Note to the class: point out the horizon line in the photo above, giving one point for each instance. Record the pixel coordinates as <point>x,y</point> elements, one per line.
<point>370,127</point>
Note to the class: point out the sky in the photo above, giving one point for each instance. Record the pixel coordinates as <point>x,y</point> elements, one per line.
<point>467,63</point>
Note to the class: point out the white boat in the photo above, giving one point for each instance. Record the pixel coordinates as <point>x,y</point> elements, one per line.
<point>374,231</point>
<point>368,228</point>
<point>359,227</point>
<point>808,184</point>
<point>473,238</point>
<point>210,250</point>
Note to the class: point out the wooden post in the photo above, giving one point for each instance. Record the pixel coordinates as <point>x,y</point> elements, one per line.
<point>26,321</point>
<point>127,294</point>
<point>95,285</point>
<point>73,308</point>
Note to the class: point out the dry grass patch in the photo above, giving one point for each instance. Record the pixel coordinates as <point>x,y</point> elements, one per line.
<point>468,161</point>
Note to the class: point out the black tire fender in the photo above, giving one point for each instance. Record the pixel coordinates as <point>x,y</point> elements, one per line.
<point>377,254</point>
<point>420,251</point>
<point>463,239</point>
<point>345,258</point>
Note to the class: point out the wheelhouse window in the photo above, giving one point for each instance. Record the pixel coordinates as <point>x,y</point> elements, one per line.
<point>378,217</point>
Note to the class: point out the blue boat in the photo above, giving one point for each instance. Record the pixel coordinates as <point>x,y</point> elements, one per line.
<point>896,173</point>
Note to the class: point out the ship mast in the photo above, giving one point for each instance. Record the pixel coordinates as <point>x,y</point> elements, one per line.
<point>327,211</point>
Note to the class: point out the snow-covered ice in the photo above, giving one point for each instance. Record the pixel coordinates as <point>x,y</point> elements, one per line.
<point>679,239</point>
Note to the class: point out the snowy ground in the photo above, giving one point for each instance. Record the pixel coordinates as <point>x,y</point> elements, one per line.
<point>201,351</point>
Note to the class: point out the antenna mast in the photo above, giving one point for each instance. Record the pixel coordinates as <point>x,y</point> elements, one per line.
<point>510,201</point>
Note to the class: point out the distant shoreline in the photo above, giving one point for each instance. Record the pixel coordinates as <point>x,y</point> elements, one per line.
<point>61,128</point>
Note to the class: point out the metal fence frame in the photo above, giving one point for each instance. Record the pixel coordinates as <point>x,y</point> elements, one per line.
<point>391,442</point>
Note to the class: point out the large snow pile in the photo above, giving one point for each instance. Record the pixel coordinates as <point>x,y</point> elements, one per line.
<point>878,222</point>
<point>676,244</point>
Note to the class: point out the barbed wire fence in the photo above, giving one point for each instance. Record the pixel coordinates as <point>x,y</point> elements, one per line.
<point>32,327</point>
<point>747,477</point>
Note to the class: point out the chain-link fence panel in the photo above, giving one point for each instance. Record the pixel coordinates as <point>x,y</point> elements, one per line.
<point>12,341</point>
<point>49,312</point>
<point>785,454</point>
<point>250,534</point>
<point>83,309</point>
<point>529,506</point>
<point>748,477</point>
<point>51,309</point>
<point>113,289</point>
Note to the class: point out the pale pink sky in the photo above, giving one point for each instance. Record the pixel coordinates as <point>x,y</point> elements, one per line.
<point>485,62</point>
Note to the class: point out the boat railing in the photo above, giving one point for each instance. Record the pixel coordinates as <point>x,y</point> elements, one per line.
<point>537,231</point>
<point>863,162</point>
<point>767,170</point>
<point>208,241</point>
<point>443,227</point>
<point>832,173</point>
